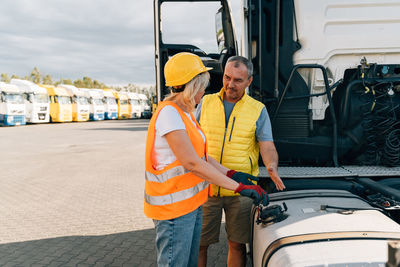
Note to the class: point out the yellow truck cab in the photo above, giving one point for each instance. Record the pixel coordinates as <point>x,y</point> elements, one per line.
<point>123,104</point>
<point>80,103</point>
<point>60,104</point>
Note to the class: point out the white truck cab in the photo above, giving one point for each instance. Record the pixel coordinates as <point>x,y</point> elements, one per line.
<point>96,105</point>
<point>146,107</point>
<point>110,105</point>
<point>136,108</point>
<point>12,106</point>
<point>37,104</point>
<point>328,73</point>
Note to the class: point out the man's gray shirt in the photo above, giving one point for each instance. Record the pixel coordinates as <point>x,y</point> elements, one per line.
<point>263,124</point>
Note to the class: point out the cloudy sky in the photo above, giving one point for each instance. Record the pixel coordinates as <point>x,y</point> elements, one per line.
<point>110,41</point>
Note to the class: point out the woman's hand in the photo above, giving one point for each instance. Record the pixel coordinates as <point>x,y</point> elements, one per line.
<point>255,192</point>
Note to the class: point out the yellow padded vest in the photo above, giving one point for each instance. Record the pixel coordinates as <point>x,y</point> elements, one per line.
<point>236,146</point>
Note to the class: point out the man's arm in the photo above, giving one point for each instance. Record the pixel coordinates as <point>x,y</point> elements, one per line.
<point>270,158</point>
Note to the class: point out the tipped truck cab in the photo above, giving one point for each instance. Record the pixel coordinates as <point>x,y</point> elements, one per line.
<point>333,95</point>
<point>60,103</point>
<point>12,107</point>
<point>37,101</point>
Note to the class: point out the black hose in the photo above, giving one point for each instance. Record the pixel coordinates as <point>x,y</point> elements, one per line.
<point>381,128</point>
<point>391,155</point>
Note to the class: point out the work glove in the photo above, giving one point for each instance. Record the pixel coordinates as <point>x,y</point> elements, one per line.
<point>242,177</point>
<point>255,192</point>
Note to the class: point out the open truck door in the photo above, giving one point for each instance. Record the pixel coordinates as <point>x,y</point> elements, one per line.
<point>169,39</point>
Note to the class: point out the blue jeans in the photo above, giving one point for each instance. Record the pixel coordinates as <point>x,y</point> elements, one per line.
<point>178,240</point>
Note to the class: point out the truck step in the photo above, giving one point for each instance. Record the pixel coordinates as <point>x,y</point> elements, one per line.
<point>334,172</point>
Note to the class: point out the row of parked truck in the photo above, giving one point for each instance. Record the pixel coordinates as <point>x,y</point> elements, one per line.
<point>23,101</point>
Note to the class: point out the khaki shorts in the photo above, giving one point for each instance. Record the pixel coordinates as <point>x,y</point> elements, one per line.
<point>237,216</point>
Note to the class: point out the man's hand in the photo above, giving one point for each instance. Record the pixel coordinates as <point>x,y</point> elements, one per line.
<point>273,173</point>
<point>242,177</point>
<point>255,192</point>
<point>270,159</point>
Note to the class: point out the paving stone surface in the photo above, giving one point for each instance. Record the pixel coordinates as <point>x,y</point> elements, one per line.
<point>71,194</point>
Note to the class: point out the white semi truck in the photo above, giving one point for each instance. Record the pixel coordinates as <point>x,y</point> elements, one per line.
<point>37,103</point>
<point>12,106</point>
<point>146,106</point>
<point>136,107</point>
<point>328,72</point>
<point>96,105</point>
<point>110,105</point>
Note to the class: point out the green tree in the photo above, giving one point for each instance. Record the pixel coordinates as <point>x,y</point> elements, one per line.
<point>96,84</point>
<point>88,82</point>
<point>64,81</point>
<point>35,75</point>
<point>47,79</point>
<point>152,90</point>
<point>14,76</point>
<point>5,78</point>
<point>79,83</point>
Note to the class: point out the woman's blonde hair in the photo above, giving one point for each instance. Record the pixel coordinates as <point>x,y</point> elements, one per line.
<point>199,82</point>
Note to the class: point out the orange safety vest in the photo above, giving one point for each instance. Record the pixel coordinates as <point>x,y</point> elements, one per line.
<point>173,191</point>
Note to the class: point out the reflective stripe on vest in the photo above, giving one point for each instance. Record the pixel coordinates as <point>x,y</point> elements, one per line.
<point>175,197</point>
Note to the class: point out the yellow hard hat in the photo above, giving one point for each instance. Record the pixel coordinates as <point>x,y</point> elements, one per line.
<point>182,68</point>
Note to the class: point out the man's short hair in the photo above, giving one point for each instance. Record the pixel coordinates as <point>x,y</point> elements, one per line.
<point>244,61</point>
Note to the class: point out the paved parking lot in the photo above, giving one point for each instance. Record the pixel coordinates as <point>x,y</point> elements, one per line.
<point>71,194</point>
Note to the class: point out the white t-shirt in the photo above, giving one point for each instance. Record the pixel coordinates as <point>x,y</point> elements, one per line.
<point>168,120</point>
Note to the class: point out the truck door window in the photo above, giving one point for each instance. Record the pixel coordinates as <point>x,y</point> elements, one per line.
<point>219,32</point>
<point>177,18</point>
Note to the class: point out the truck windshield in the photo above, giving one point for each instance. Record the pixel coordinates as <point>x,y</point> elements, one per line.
<point>135,102</point>
<point>64,99</point>
<point>97,101</point>
<point>200,24</point>
<point>13,98</point>
<point>82,100</point>
<point>123,102</point>
<point>111,101</point>
<point>41,98</point>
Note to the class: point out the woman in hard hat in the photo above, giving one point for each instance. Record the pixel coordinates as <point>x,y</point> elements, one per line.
<point>178,169</point>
